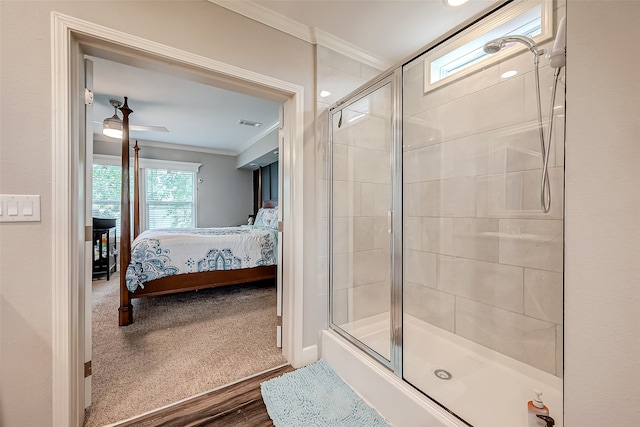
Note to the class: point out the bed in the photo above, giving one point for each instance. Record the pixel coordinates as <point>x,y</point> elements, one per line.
<point>160,262</point>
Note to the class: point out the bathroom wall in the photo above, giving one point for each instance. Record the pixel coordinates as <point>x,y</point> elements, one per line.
<point>26,326</point>
<point>340,75</point>
<point>602,273</point>
<point>481,258</point>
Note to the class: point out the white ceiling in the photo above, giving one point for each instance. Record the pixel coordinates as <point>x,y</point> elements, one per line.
<point>195,114</point>
<point>200,115</point>
<point>389,30</point>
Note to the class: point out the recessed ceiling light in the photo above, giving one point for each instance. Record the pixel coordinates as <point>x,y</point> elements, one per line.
<point>508,74</point>
<point>454,3</point>
<point>249,123</point>
<point>324,93</point>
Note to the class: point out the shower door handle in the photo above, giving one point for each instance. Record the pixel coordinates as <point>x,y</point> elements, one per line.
<point>390,222</point>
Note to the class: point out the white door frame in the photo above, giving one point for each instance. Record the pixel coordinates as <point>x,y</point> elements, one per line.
<point>69,34</point>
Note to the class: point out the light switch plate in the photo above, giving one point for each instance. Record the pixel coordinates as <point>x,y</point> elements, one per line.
<point>19,208</point>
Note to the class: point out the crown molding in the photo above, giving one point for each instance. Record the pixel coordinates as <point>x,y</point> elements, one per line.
<point>259,13</point>
<point>194,148</point>
<point>170,146</point>
<point>332,42</point>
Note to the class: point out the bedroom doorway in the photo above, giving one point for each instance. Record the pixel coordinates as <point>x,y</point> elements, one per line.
<point>185,343</point>
<point>73,40</point>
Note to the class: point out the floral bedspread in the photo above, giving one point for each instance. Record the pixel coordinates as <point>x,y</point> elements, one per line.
<point>166,252</point>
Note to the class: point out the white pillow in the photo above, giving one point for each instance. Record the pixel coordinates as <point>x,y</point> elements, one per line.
<point>274,220</point>
<point>264,216</point>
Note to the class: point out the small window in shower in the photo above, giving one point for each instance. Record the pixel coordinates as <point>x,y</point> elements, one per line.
<point>466,55</point>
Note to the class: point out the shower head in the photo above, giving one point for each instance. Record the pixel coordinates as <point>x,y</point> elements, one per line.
<point>494,46</point>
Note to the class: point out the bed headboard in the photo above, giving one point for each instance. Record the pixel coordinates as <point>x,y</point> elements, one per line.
<point>270,203</point>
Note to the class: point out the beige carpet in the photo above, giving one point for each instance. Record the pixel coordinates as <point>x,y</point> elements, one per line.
<point>179,345</point>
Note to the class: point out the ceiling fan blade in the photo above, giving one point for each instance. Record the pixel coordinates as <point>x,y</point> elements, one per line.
<point>143,128</point>
<point>148,128</point>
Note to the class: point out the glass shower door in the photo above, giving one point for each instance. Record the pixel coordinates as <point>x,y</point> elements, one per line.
<point>361,206</point>
<point>483,262</point>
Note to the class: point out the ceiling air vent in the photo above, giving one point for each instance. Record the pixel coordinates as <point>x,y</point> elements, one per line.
<point>249,123</point>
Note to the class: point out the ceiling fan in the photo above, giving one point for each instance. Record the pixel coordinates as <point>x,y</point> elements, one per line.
<point>112,126</point>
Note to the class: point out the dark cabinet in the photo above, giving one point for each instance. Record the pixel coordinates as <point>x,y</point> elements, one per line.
<point>104,247</point>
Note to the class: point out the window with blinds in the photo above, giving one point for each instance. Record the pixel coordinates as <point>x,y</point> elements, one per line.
<point>169,198</point>
<point>106,190</point>
<point>167,192</point>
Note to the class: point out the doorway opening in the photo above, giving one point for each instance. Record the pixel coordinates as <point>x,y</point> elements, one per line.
<point>183,344</point>
<point>73,39</point>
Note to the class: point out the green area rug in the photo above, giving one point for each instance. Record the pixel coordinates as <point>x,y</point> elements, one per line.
<point>316,396</point>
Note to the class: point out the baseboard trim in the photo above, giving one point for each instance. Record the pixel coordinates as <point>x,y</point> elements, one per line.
<point>309,355</point>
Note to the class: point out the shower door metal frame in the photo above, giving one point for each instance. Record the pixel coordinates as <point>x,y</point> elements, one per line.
<point>394,79</point>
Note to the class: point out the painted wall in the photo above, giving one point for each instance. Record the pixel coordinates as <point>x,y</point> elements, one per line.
<point>261,152</point>
<point>225,195</point>
<point>26,161</point>
<point>602,238</point>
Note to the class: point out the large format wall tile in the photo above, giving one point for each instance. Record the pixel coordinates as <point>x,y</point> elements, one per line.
<point>375,199</point>
<point>529,340</point>
<point>458,197</point>
<point>423,164</point>
<point>517,195</point>
<point>342,236</point>
<point>476,238</point>
<point>487,282</point>
<point>531,243</point>
<point>543,295</point>
<point>430,305</point>
<point>419,132</point>
<point>546,83</point>
<point>370,165</point>
<point>516,148</point>
<point>371,266</point>
<point>371,299</point>
<point>342,271</point>
<point>420,268</point>
<point>468,115</point>
<point>437,235</point>
<point>363,238</point>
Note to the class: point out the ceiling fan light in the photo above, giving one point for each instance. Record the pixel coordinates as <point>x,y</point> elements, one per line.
<point>112,127</point>
<point>454,3</point>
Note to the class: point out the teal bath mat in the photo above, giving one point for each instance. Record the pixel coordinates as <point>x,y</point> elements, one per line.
<point>314,396</point>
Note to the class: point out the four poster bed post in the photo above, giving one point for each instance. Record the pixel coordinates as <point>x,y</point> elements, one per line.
<point>171,283</point>
<point>125,312</point>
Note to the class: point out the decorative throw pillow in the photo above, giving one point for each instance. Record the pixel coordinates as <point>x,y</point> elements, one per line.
<point>274,220</point>
<point>263,218</point>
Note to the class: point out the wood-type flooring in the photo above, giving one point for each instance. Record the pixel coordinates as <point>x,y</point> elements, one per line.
<point>236,405</point>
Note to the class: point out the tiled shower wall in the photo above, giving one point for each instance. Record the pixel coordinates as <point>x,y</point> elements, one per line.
<point>361,202</point>
<point>481,259</point>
